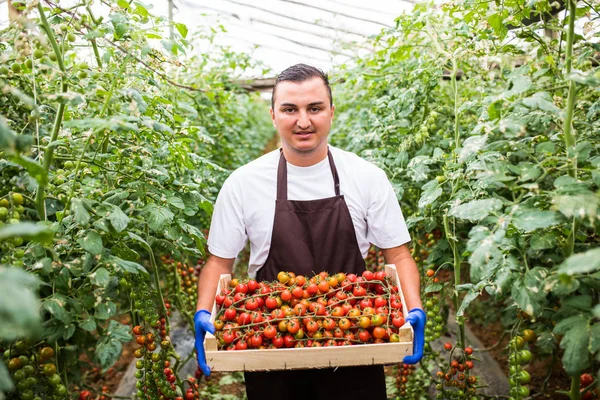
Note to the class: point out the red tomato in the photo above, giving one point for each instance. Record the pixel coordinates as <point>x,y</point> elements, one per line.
<point>228,301</point>
<point>271,303</point>
<point>270,331</point>
<point>359,291</point>
<point>379,332</point>
<point>344,324</point>
<point>299,309</point>
<point>286,295</point>
<point>241,288</point>
<point>586,380</point>
<point>252,285</point>
<point>240,345</point>
<point>323,286</point>
<point>364,335</point>
<point>341,295</point>
<point>297,292</point>
<point>251,304</point>
<point>351,277</point>
<point>256,340</point>
<point>219,299</point>
<point>312,326</point>
<point>312,289</point>
<point>293,325</point>
<point>368,275</point>
<point>329,323</point>
<point>300,280</point>
<point>228,337</point>
<point>364,303</point>
<point>380,276</point>
<point>380,302</point>
<point>288,341</point>
<point>397,321</point>
<point>277,341</point>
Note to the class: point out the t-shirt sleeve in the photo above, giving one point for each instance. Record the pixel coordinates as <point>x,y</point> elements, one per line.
<point>227,235</point>
<point>386,227</point>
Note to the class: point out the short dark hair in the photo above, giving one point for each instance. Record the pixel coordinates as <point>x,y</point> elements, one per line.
<point>301,73</point>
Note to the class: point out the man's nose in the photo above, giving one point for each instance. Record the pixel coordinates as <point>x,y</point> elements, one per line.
<point>303,120</point>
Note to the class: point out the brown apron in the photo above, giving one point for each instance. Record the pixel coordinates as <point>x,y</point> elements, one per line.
<point>309,237</point>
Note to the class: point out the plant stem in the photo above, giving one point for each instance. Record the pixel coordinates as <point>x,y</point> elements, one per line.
<point>49,151</point>
<point>575,395</point>
<point>450,236</point>
<point>455,89</point>
<point>568,123</point>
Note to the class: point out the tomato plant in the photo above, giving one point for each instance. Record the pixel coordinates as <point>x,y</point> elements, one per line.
<point>488,133</point>
<point>112,150</point>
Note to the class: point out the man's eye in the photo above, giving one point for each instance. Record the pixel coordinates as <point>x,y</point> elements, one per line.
<point>287,110</point>
<point>315,109</point>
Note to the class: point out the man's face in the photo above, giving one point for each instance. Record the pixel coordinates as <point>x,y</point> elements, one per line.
<point>302,115</point>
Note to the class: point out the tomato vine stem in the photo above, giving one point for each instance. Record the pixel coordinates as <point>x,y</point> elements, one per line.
<point>49,150</point>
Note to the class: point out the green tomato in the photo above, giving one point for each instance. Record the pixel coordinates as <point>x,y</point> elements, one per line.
<point>54,379</point>
<point>28,63</point>
<point>3,70</point>
<point>61,390</point>
<point>38,53</point>
<point>71,37</point>
<point>29,370</point>
<point>19,375</point>
<point>17,198</point>
<point>82,74</point>
<point>524,377</point>
<point>525,356</point>
<point>524,391</point>
<point>24,360</point>
<point>27,394</point>
<point>3,213</point>
<point>52,56</point>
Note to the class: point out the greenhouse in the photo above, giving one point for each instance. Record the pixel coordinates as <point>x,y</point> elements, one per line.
<point>293,199</point>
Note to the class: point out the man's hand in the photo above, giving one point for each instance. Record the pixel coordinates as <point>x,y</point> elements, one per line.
<point>202,324</point>
<point>416,317</point>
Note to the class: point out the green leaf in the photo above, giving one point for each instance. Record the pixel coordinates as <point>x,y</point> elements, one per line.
<point>118,219</point>
<point>431,192</point>
<point>27,231</point>
<point>35,169</point>
<point>528,291</point>
<point>81,214</point>
<point>182,28</point>
<point>580,206</point>
<point>124,252</point>
<point>100,277</point>
<point>88,324</point>
<point>595,338</point>
<point>6,384</point>
<point>108,349</point>
<point>469,297</point>
<point>529,221</point>
<point>158,217</point>
<point>542,101</point>
<point>106,310</point>
<point>471,146</point>
<point>575,343</point>
<point>434,288</point>
<point>581,263</point>
<point>176,202</point>
<point>92,243</point>
<point>543,241</point>
<point>520,84</point>
<point>139,239</point>
<point>126,266</point>
<point>19,304</point>
<point>496,22</point>
<point>8,139</point>
<point>475,210</point>
<point>56,305</point>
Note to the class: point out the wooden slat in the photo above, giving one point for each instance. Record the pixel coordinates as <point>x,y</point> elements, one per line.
<point>312,357</point>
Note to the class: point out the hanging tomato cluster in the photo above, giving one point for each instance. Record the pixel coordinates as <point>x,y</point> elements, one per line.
<point>296,311</point>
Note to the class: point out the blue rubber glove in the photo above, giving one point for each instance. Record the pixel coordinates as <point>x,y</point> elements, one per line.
<point>202,324</point>
<point>416,318</point>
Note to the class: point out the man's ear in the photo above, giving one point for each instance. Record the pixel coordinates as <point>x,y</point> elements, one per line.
<point>332,111</point>
<point>272,117</point>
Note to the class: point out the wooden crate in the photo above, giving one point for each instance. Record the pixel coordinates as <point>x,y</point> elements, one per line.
<point>310,357</point>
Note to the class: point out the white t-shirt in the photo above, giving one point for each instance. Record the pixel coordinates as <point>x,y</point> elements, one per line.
<point>245,206</point>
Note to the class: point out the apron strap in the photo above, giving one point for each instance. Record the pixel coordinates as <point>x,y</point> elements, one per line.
<point>282,176</point>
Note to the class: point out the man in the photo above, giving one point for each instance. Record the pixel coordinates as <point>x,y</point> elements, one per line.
<point>305,208</point>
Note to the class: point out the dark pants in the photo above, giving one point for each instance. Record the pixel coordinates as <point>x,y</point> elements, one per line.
<point>348,383</point>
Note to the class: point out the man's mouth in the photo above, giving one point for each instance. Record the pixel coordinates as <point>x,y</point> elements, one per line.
<point>303,132</point>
